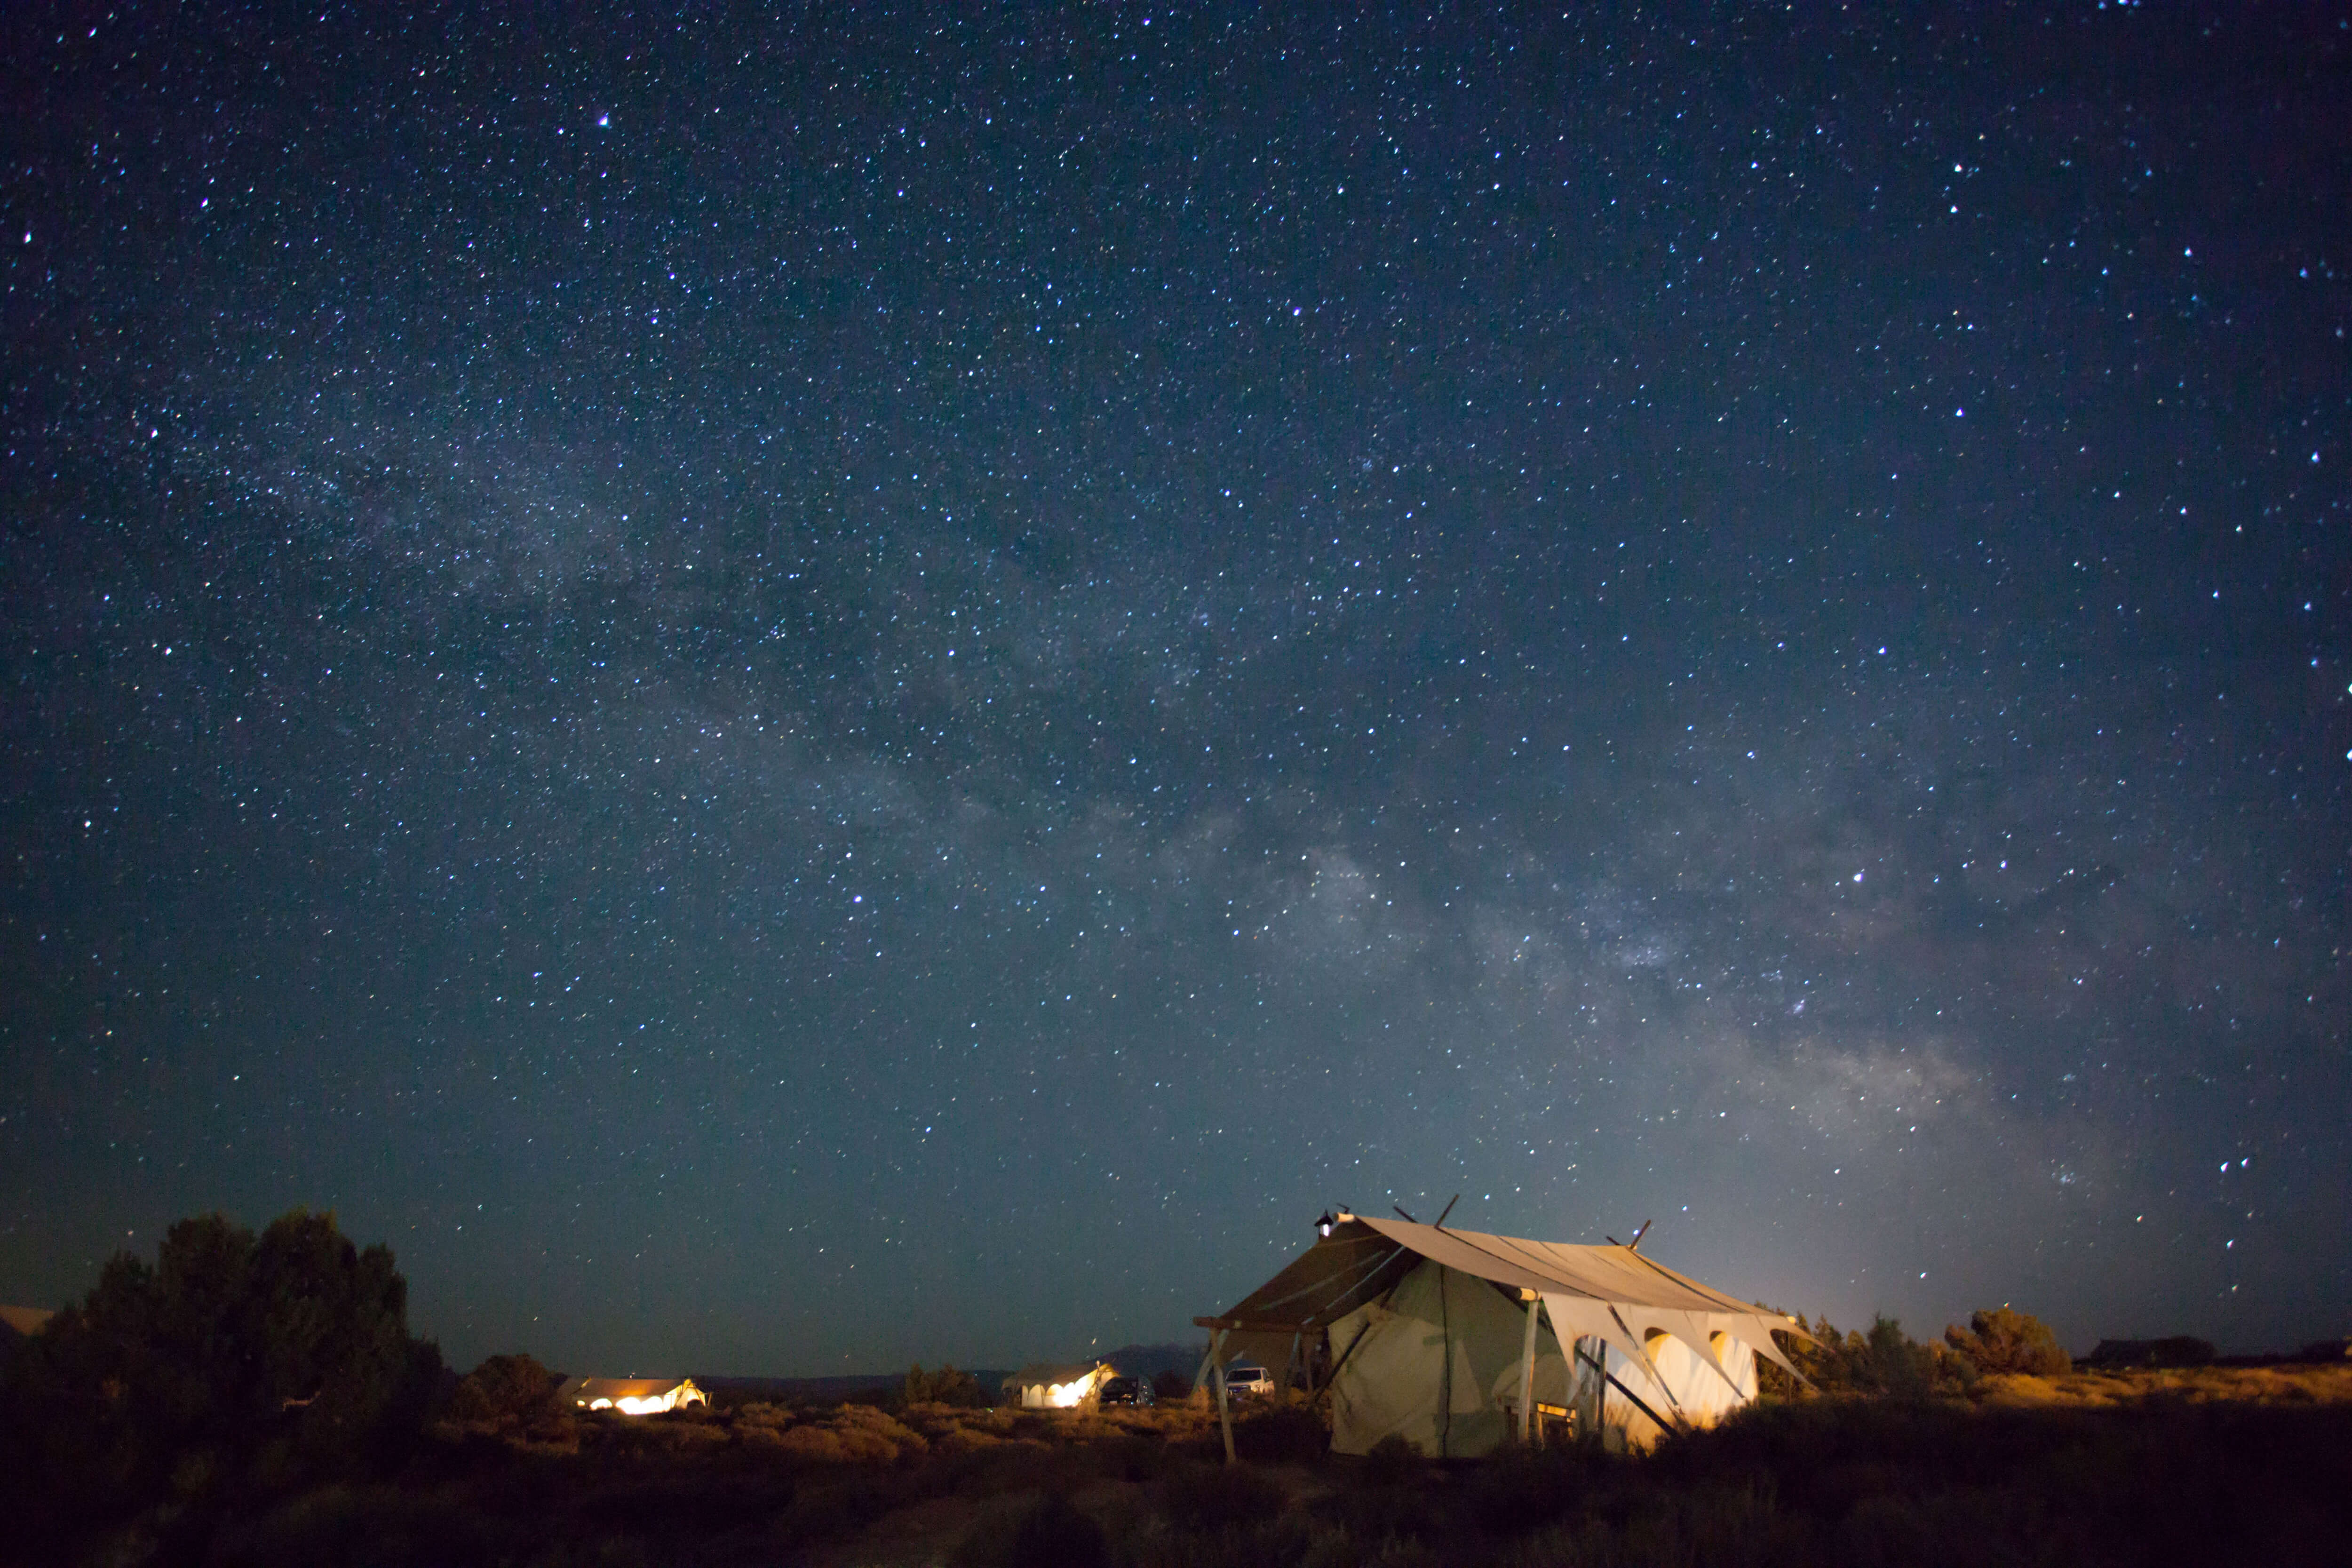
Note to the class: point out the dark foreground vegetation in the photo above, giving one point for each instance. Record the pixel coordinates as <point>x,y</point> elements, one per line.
<point>1826,1482</point>
<point>157,1427</point>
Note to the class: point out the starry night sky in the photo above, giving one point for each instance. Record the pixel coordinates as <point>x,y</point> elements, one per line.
<point>791,694</point>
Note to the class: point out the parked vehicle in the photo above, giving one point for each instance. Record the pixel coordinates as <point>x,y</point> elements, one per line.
<point>1127,1391</point>
<point>1248,1380</point>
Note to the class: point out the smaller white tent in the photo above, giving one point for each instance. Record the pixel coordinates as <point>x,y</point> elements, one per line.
<point>22,1322</point>
<point>1459,1342</point>
<point>1057,1385</point>
<point>631,1395</point>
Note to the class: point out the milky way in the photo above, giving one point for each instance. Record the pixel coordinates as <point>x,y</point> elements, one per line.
<point>794,695</point>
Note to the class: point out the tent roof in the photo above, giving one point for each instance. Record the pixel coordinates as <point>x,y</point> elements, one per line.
<point>1362,1258</point>
<point>26,1321</point>
<point>621,1387</point>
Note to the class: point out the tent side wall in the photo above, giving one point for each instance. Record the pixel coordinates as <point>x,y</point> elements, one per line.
<point>1437,1363</point>
<point>1035,1387</point>
<point>1693,1389</point>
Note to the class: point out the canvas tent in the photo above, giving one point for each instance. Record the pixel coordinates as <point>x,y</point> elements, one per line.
<point>18,1324</point>
<point>631,1395</point>
<point>23,1322</point>
<point>1460,1342</point>
<point>1057,1386</point>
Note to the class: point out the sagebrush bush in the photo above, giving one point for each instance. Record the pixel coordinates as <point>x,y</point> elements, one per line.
<point>508,1395</point>
<point>2001,1340</point>
<point>1282,1435</point>
<point>1218,1497</point>
<point>1884,1362</point>
<point>1033,1530</point>
<point>1392,1461</point>
<point>1520,1489</point>
<point>945,1387</point>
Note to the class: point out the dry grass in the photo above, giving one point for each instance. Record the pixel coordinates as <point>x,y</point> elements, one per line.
<point>2284,1383</point>
<point>2206,1465</point>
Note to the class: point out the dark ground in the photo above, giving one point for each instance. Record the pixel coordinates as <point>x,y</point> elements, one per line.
<point>2164,1479</point>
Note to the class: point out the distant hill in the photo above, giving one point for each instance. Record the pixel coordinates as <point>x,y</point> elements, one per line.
<point>1151,1361</point>
<point>1135,1360</point>
<point>829,1390</point>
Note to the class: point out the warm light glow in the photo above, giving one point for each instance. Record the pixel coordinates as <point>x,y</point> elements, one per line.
<point>650,1404</point>
<point>1068,1395</point>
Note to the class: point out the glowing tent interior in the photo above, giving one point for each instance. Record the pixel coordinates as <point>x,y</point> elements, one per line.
<point>1051,1385</point>
<point>631,1395</point>
<point>1458,1342</point>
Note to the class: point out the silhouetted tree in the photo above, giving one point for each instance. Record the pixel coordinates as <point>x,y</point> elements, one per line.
<point>232,1366</point>
<point>507,1394</point>
<point>2002,1340</point>
<point>1884,1362</point>
<point>945,1387</point>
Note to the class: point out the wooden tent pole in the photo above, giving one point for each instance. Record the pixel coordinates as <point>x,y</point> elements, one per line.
<point>1445,1371</point>
<point>1224,1408</point>
<point>1527,1376</point>
<point>1639,1403</point>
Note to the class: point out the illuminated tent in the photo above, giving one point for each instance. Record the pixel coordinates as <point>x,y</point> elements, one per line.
<point>18,1324</point>
<point>23,1322</point>
<point>1051,1385</point>
<point>1457,1341</point>
<point>631,1395</point>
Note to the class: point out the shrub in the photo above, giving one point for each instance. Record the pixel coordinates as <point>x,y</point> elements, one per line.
<point>1392,1461</point>
<point>1885,1363</point>
<point>507,1394</point>
<point>235,1364</point>
<point>1043,1532</point>
<point>945,1387</point>
<point>1285,1435</point>
<point>1522,1489</point>
<point>1219,1497</point>
<point>853,1434</point>
<point>834,1509</point>
<point>864,1421</point>
<point>763,1413</point>
<point>1291,1540</point>
<point>814,1445</point>
<point>2002,1340</point>
<point>1054,1534</point>
<point>1128,1458</point>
